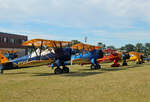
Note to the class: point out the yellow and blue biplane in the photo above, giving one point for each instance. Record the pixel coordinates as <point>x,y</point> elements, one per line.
<point>43,52</point>
<point>136,56</point>
<point>88,54</point>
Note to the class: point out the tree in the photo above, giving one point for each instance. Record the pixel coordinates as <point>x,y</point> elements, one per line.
<point>102,45</point>
<point>75,42</point>
<point>147,46</point>
<point>139,47</point>
<point>111,47</point>
<point>129,47</point>
<point>122,48</point>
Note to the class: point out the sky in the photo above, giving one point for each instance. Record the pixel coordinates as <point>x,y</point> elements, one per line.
<point>113,22</point>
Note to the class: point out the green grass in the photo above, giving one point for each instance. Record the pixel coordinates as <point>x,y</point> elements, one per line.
<point>39,84</point>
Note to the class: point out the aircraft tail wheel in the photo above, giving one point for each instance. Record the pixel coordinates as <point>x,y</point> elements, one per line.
<point>65,70</point>
<point>58,71</point>
<point>93,67</point>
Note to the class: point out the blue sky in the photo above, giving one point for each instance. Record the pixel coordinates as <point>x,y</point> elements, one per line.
<point>113,22</point>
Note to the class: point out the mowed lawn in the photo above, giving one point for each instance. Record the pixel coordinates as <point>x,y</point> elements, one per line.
<point>39,84</point>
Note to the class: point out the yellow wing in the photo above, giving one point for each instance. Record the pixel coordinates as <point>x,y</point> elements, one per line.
<point>49,43</point>
<point>136,53</point>
<point>85,47</point>
<point>135,56</point>
<point>3,59</point>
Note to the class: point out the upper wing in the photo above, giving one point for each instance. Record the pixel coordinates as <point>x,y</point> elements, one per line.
<point>88,47</point>
<point>136,53</point>
<point>49,43</point>
<point>35,42</point>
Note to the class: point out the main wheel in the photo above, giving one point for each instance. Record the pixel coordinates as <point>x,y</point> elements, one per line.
<point>65,70</point>
<point>1,71</point>
<point>138,63</point>
<point>93,67</point>
<point>98,66</point>
<point>58,71</point>
<point>124,64</point>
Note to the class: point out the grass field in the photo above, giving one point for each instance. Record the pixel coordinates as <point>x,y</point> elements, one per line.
<point>39,84</point>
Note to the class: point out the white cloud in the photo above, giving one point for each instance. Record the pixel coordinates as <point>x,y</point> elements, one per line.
<point>88,14</point>
<point>39,35</point>
<point>127,35</point>
<point>76,13</point>
<point>30,34</point>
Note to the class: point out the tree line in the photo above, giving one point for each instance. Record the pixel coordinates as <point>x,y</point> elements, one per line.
<point>139,47</point>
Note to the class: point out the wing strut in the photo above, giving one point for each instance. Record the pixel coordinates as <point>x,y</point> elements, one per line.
<point>41,49</point>
<point>34,49</point>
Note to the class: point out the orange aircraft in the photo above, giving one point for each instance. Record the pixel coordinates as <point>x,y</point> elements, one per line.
<point>111,56</point>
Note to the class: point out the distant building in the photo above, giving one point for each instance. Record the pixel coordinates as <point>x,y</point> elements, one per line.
<point>13,42</point>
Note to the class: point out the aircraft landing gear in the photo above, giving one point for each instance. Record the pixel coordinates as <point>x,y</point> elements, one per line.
<point>1,71</point>
<point>94,67</point>
<point>98,66</point>
<point>124,63</point>
<point>139,62</point>
<point>116,64</point>
<point>65,70</point>
<point>58,70</point>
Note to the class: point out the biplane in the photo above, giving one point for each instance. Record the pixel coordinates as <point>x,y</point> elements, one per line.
<point>42,52</point>
<point>10,54</point>
<point>136,56</point>
<point>116,56</point>
<point>111,56</point>
<point>5,56</point>
<point>88,54</point>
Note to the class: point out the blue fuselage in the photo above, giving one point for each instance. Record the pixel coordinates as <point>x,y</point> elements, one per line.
<point>89,55</point>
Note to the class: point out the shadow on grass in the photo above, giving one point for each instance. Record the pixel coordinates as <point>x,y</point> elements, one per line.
<point>135,66</point>
<point>43,74</point>
<point>31,66</point>
<point>15,73</point>
<point>85,69</point>
<point>70,74</point>
<point>104,69</point>
<point>146,63</point>
<point>122,67</point>
<point>113,69</point>
<point>81,74</point>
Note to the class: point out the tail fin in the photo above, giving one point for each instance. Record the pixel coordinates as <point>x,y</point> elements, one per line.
<point>3,59</point>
